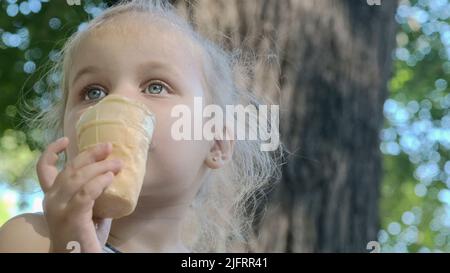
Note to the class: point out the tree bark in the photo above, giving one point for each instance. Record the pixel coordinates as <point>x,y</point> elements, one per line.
<point>326,62</point>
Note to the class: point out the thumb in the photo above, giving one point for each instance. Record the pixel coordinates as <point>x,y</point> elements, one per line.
<point>46,166</point>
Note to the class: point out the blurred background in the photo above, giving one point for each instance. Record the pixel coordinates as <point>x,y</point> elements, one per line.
<point>364,101</point>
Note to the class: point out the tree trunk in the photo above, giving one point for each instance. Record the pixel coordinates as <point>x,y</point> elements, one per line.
<point>326,62</point>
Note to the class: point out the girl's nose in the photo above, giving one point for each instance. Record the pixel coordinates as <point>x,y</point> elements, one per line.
<point>127,90</point>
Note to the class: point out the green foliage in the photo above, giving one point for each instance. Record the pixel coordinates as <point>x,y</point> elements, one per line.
<point>4,212</point>
<point>415,204</point>
<point>415,215</point>
<point>31,34</point>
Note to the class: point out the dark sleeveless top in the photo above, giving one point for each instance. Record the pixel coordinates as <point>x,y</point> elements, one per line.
<point>110,249</point>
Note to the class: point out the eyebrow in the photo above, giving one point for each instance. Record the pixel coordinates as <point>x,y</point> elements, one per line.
<point>157,65</point>
<point>142,67</point>
<point>83,71</point>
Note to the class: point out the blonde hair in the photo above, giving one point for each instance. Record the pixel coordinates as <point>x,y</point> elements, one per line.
<point>226,206</point>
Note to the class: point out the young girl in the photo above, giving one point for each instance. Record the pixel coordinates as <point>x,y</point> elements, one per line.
<point>197,195</point>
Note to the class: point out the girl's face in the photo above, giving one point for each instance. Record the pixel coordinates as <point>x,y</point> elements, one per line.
<point>156,64</point>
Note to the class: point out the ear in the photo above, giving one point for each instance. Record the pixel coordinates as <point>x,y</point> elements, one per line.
<point>220,154</point>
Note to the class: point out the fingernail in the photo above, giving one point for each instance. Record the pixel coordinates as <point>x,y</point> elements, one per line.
<point>105,145</point>
<point>61,139</point>
<point>118,162</point>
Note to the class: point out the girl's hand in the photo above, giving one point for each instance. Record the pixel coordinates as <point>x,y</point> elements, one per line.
<point>70,195</point>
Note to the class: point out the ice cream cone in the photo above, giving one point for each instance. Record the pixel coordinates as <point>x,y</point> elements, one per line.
<point>128,125</point>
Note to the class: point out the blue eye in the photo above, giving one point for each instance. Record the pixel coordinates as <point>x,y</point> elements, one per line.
<point>154,88</point>
<point>94,93</point>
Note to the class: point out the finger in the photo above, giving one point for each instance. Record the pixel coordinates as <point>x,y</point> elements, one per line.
<point>84,175</point>
<point>83,201</point>
<point>91,155</point>
<point>46,166</point>
<point>72,170</point>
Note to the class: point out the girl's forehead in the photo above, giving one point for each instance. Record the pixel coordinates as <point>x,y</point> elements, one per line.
<point>128,45</point>
<point>137,36</point>
<point>139,25</point>
<point>140,28</point>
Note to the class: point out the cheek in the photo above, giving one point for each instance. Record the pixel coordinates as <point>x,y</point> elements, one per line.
<point>167,149</point>
<point>170,160</point>
<point>177,166</point>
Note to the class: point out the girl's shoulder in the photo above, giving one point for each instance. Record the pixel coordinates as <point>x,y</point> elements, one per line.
<point>25,233</point>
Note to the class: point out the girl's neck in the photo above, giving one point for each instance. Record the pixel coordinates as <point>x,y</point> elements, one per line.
<point>149,228</point>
